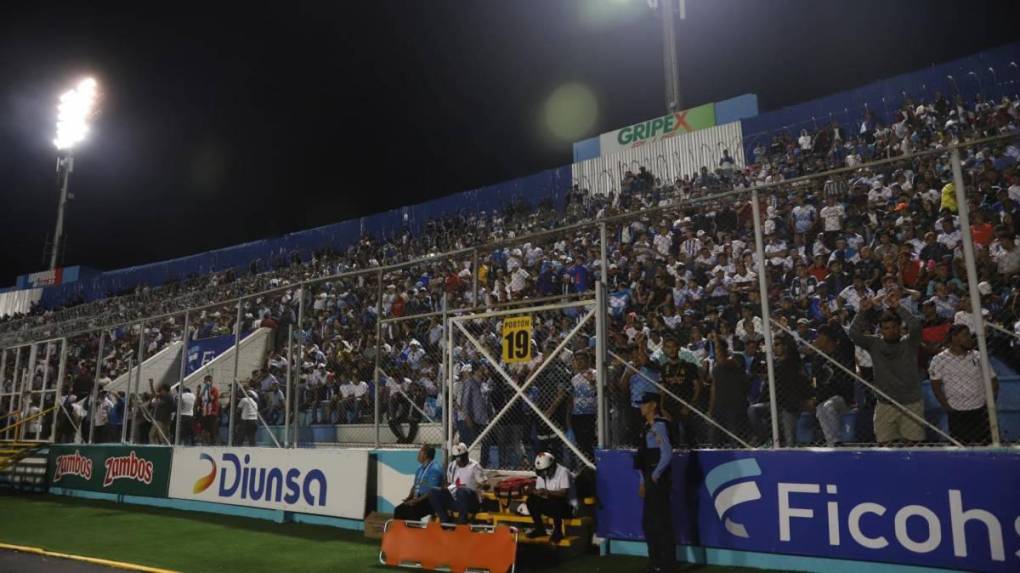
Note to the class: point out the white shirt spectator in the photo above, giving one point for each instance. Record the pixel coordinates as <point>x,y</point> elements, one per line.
<point>961,378</point>
<point>664,244</point>
<point>805,142</point>
<point>188,404</point>
<point>518,280</point>
<point>354,390</point>
<point>740,331</point>
<point>950,240</point>
<point>832,216</point>
<point>249,408</point>
<point>852,298</point>
<point>803,218</point>
<point>749,277</point>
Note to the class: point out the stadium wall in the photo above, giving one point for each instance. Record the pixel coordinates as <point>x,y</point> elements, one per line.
<point>883,97</point>
<point>826,510</point>
<point>350,482</point>
<point>683,154</point>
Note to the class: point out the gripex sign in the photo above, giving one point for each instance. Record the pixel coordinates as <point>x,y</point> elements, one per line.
<point>955,510</point>
<point>322,482</point>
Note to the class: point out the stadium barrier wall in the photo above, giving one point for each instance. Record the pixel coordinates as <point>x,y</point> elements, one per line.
<point>344,484</point>
<point>319,482</point>
<point>121,470</point>
<point>905,510</point>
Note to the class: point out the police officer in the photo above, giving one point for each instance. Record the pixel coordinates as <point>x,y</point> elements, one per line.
<point>653,461</point>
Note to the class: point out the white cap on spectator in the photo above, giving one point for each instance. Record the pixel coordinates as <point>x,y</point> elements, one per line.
<point>985,288</point>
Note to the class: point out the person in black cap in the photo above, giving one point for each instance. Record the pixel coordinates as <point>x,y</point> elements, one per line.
<point>653,458</point>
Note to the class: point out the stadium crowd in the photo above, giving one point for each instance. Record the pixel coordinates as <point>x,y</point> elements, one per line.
<point>685,306</point>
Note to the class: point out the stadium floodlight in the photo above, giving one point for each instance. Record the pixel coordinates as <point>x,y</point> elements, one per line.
<point>74,111</point>
<point>76,108</point>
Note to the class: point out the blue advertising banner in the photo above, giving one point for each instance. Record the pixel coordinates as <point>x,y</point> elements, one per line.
<point>203,351</point>
<point>953,510</point>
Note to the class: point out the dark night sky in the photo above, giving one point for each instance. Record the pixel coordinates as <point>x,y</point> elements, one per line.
<point>223,124</point>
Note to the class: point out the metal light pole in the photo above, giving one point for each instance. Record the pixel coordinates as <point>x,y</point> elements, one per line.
<point>65,164</point>
<point>77,106</point>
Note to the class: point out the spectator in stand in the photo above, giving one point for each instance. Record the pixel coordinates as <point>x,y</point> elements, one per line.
<point>101,418</point>
<point>162,407</point>
<point>187,421</point>
<point>834,387</point>
<point>583,405</point>
<point>209,409</point>
<point>248,410</point>
<point>728,394</point>
<point>958,384</point>
<point>896,373</point>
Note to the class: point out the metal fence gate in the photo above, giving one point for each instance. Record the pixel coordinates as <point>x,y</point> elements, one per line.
<point>527,380</point>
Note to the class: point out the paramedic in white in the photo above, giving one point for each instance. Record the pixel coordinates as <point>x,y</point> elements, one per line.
<point>550,496</point>
<point>463,487</point>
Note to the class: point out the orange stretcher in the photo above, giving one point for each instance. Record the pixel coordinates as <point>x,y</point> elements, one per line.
<point>449,547</point>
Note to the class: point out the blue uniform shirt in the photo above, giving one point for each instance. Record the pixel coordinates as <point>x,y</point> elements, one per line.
<point>426,477</point>
<point>658,438</point>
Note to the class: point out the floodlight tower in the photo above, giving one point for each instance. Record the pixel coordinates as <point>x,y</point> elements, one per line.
<point>76,108</point>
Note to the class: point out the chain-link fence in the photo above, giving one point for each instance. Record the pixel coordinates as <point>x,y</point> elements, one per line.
<point>523,381</point>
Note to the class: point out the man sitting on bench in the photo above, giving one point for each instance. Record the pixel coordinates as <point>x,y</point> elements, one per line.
<point>550,497</point>
<point>428,476</point>
<point>463,484</point>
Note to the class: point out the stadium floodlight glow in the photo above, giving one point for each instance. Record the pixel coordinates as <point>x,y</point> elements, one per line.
<point>74,111</point>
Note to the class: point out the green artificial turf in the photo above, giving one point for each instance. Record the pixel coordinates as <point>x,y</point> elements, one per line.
<point>197,542</point>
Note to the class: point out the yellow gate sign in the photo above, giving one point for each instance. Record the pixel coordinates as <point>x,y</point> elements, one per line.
<point>517,340</point>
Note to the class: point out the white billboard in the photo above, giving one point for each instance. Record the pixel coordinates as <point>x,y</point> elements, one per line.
<point>321,482</point>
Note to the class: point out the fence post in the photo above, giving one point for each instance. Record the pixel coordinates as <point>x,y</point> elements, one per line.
<point>182,373</point>
<point>127,410</point>
<point>600,359</point>
<point>61,369</point>
<point>975,295</point>
<point>378,353</point>
<point>234,385</point>
<point>95,388</point>
<point>290,385</point>
<point>763,291</point>
<point>138,375</point>
<point>300,358</point>
<point>448,407</point>
<point>474,280</point>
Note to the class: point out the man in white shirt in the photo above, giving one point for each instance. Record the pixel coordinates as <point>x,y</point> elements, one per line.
<point>832,219</point>
<point>550,497</point>
<point>462,493</point>
<point>187,410</point>
<point>958,384</point>
<point>663,241</point>
<point>518,281</point>
<point>352,394</point>
<point>249,408</point>
<point>101,418</point>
